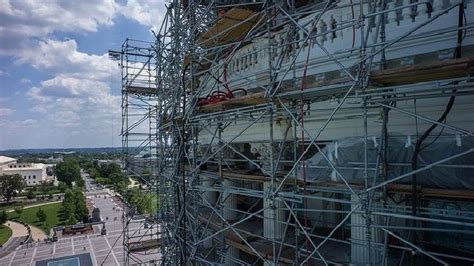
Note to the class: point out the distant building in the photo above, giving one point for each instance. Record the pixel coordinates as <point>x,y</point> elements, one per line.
<point>53,160</point>
<point>104,162</point>
<point>32,173</point>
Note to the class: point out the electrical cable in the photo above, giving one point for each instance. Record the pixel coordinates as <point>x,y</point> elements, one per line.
<point>426,134</point>
<point>220,96</point>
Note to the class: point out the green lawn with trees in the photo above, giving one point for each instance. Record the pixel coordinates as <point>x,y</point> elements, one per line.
<point>5,234</point>
<point>71,211</point>
<point>52,216</point>
<point>11,205</point>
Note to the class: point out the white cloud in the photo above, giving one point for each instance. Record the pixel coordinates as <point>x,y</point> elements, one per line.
<point>6,111</point>
<point>68,87</point>
<point>75,105</point>
<point>23,20</point>
<point>64,57</point>
<point>146,12</point>
<point>28,122</point>
<point>84,105</point>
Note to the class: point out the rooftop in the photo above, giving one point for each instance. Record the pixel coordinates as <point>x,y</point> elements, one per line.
<point>5,159</point>
<point>30,166</point>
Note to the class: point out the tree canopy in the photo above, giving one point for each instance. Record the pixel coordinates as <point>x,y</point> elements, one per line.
<point>108,174</point>
<point>41,215</point>
<point>68,172</point>
<point>3,217</point>
<point>10,185</point>
<point>74,207</point>
<point>144,202</point>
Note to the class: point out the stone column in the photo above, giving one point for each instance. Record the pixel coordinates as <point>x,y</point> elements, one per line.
<point>210,196</point>
<point>229,205</point>
<point>273,216</point>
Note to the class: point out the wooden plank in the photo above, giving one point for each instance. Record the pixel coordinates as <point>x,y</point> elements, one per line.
<point>402,188</point>
<point>247,100</point>
<point>454,68</point>
<point>230,28</point>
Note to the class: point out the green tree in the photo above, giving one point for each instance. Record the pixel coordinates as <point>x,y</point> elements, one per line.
<point>94,173</point>
<point>74,207</point>
<point>142,201</point>
<point>121,187</point>
<point>62,187</point>
<point>44,187</point>
<point>3,217</point>
<point>68,172</point>
<point>10,185</point>
<point>31,194</point>
<point>81,212</point>
<point>41,215</point>
<point>69,207</point>
<point>19,210</point>
<point>80,183</point>
<point>145,205</point>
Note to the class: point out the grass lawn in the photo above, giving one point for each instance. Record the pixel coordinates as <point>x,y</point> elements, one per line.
<point>5,234</point>
<point>11,206</point>
<point>53,216</point>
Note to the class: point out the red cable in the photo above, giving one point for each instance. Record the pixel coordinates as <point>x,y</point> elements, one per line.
<point>219,96</point>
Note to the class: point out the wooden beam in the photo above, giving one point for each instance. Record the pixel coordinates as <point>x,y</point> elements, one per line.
<point>403,188</point>
<point>247,100</point>
<point>454,68</point>
<point>229,28</point>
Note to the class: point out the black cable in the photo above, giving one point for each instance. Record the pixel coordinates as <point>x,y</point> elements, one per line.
<point>426,134</point>
<point>442,118</point>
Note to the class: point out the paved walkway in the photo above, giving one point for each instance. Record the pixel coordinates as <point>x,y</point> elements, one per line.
<point>37,234</point>
<point>18,230</point>
<point>36,205</point>
<point>19,234</point>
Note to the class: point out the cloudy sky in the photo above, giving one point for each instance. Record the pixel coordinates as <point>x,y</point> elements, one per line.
<point>58,88</point>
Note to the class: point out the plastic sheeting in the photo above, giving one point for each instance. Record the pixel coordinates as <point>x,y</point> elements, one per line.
<point>347,155</point>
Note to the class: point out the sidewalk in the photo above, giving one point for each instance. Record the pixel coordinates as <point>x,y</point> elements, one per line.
<point>35,205</point>
<point>18,230</point>
<point>37,234</point>
<point>19,234</point>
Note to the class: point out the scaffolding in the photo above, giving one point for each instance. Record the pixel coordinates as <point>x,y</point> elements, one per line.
<point>304,132</point>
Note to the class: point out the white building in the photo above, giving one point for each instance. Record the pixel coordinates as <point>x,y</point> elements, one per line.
<point>4,160</point>
<point>32,173</point>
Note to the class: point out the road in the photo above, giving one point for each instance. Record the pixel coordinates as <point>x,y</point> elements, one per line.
<point>89,183</point>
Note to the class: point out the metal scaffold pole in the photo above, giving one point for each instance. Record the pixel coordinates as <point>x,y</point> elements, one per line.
<point>284,132</point>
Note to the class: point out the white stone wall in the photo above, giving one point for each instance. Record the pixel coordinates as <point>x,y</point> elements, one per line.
<point>248,67</point>
<point>33,174</point>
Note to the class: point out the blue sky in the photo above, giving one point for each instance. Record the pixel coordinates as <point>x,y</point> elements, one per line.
<point>58,88</point>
